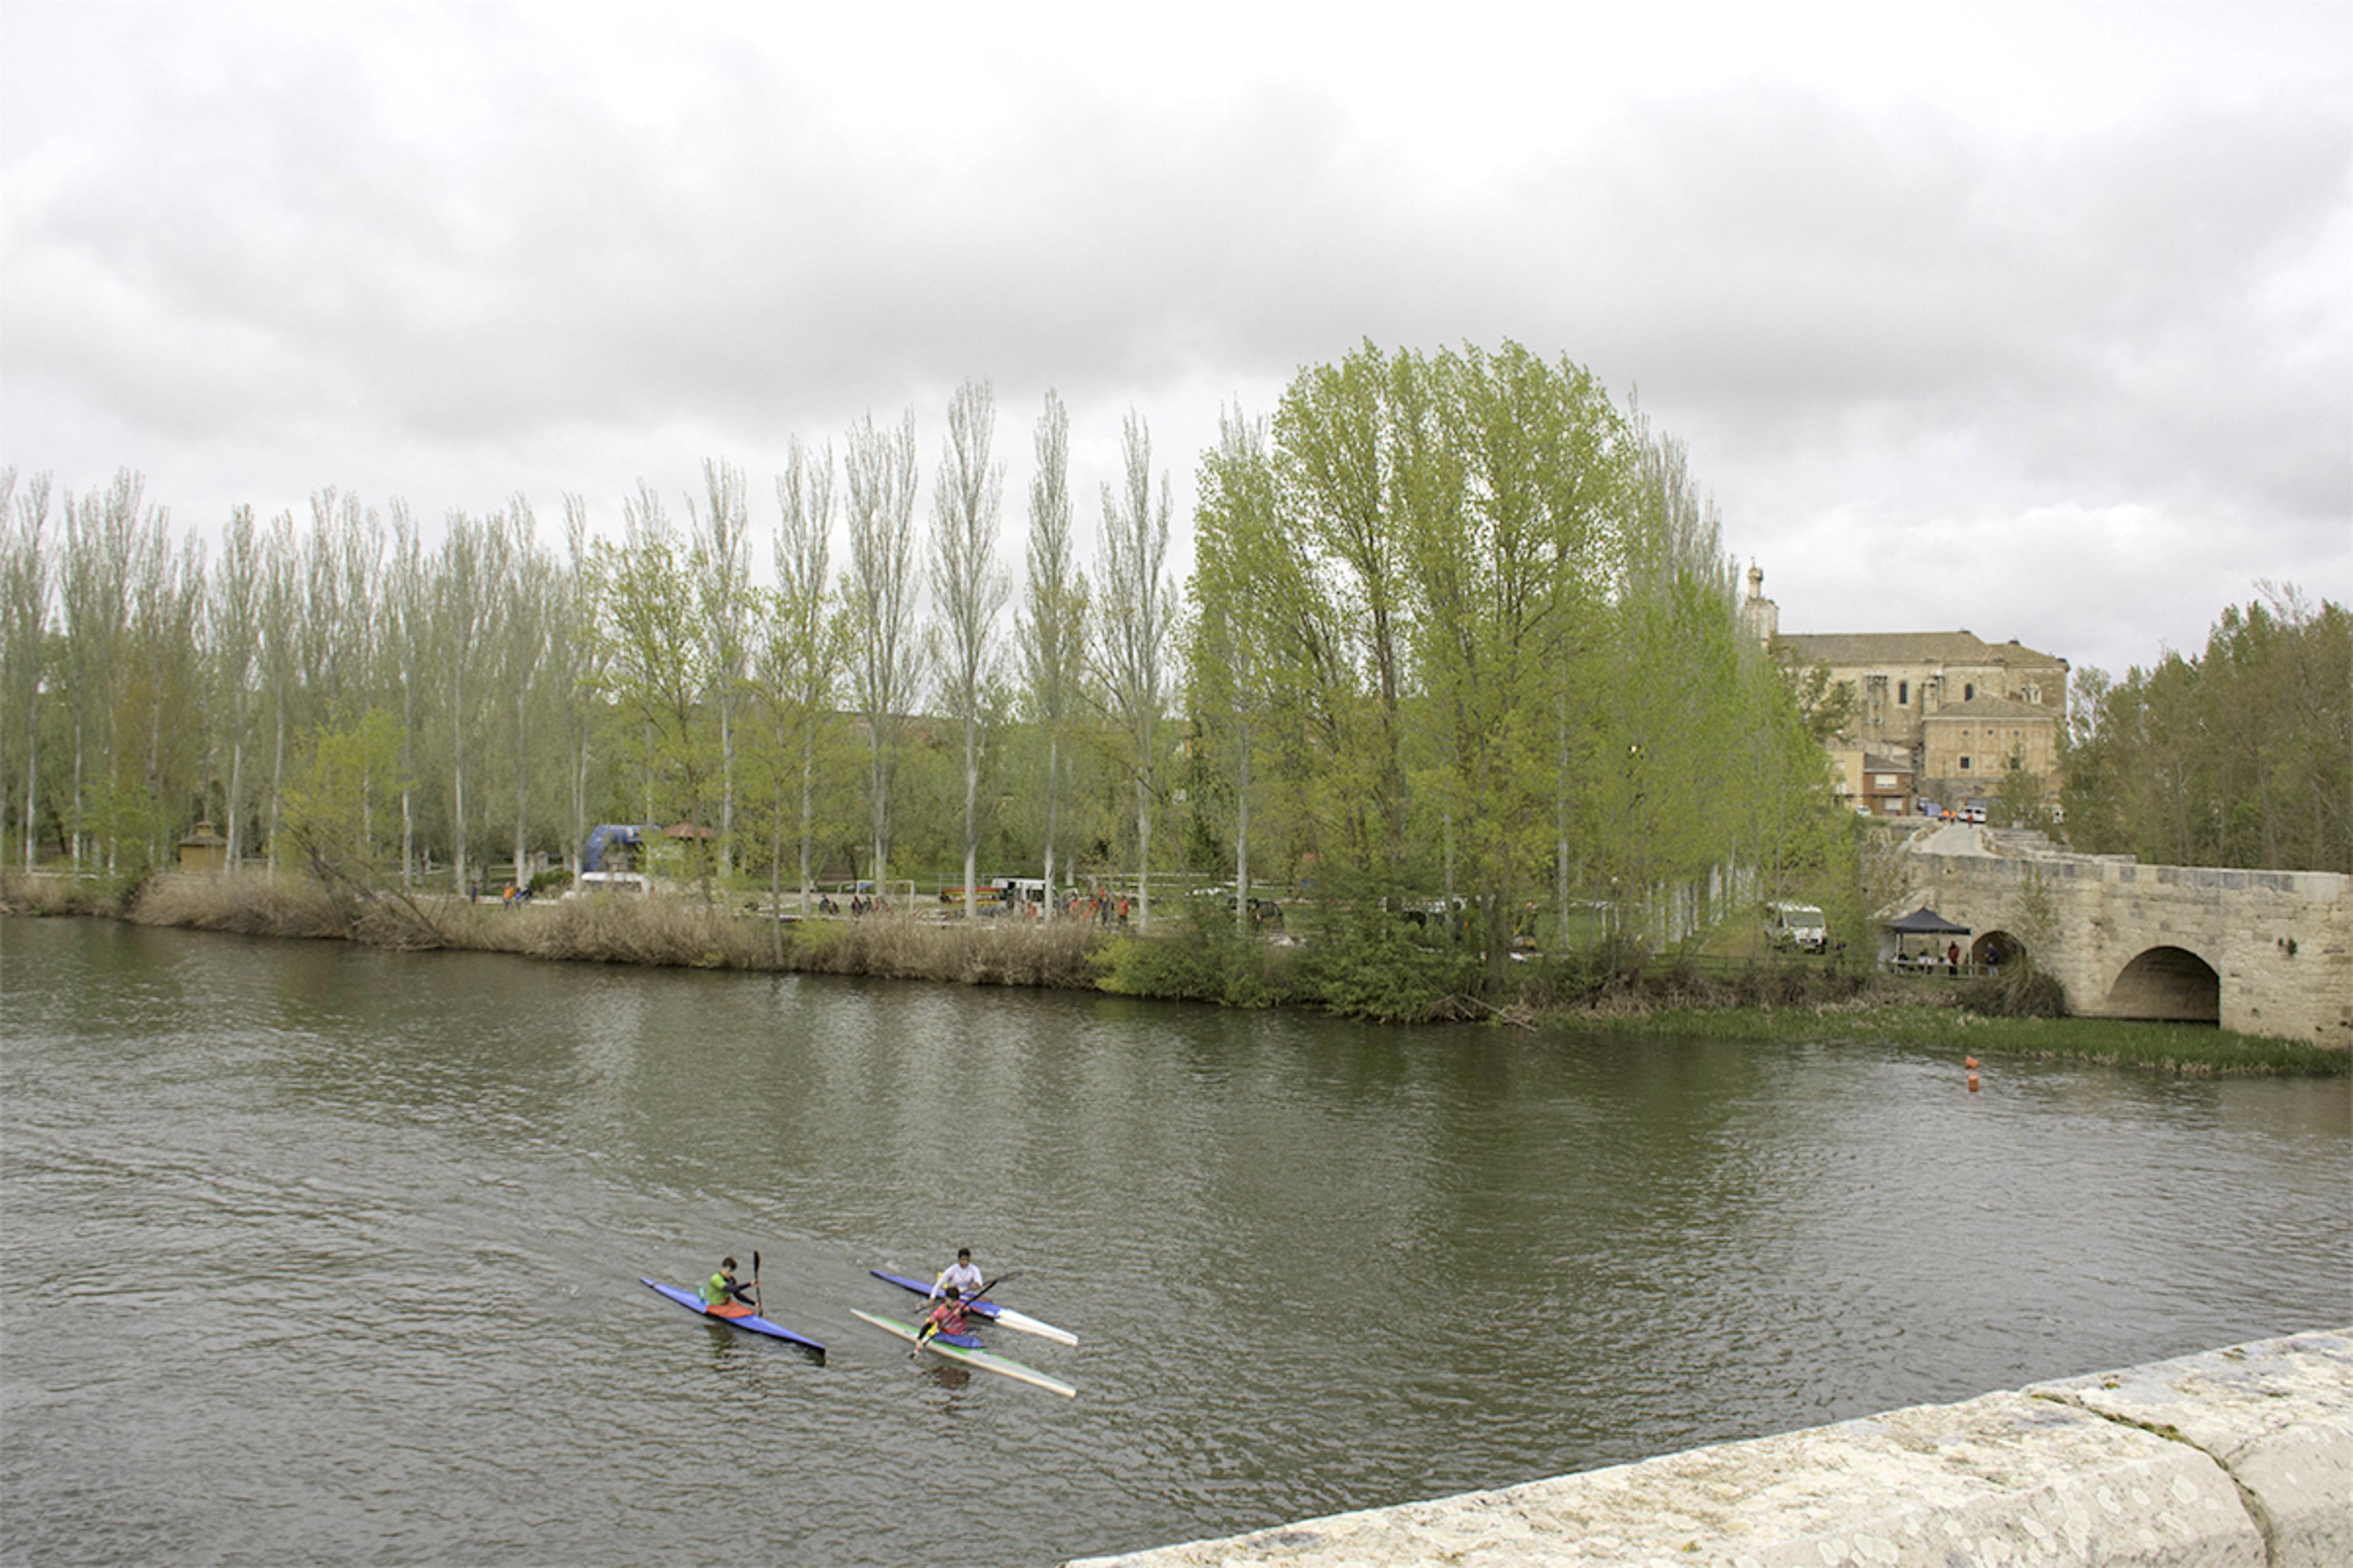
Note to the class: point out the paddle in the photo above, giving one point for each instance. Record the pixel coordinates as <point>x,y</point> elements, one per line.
<point>755,1284</point>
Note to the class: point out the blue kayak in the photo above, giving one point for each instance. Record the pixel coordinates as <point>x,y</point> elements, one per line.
<point>750,1322</point>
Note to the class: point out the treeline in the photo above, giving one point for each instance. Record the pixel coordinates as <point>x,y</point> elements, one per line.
<point>2239,756</point>
<point>1461,628</point>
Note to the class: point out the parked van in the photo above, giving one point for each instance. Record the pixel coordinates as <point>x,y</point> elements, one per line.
<point>1798,927</point>
<point>626,883</point>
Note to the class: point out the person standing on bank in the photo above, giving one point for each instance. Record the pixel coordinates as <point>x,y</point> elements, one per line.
<point>957,1277</point>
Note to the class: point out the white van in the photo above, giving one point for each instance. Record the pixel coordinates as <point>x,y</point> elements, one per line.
<point>626,883</point>
<point>1798,926</point>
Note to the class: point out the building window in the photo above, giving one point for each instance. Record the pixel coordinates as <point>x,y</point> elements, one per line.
<point>1964,764</point>
<point>2016,761</point>
<point>1904,694</point>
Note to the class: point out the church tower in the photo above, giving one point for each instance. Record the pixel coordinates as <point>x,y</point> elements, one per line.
<point>1760,618</point>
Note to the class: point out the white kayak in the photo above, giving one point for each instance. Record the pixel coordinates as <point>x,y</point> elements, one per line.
<point>987,1361</point>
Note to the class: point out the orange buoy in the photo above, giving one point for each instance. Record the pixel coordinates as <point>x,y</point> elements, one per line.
<point>1973,1083</point>
<point>1970,1063</point>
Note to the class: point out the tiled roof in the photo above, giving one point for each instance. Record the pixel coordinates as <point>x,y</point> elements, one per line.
<point>1908,647</point>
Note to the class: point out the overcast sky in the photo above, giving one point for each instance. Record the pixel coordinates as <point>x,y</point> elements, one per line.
<point>2034,321</point>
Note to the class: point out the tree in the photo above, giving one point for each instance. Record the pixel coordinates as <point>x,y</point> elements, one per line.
<point>524,653</point>
<point>408,597</point>
<point>336,799</point>
<point>968,588</point>
<point>801,644</point>
<point>470,611</point>
<point>25,572</point>
<point>102,537</point>
<point>571,666</point>
<point>722,572</point>
<point>1052,624</point>
<point>653,657</point>
<point>1236,556</point>
<point>236,623</point>
<point>2241,755</point>
<point>887,660</point>
<point>1137,610</point>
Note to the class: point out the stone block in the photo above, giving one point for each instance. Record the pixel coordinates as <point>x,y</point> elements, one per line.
<point>2276,1415</point>
<point>2001,1480</point>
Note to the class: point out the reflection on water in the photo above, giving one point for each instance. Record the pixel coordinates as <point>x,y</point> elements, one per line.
<point>313,1253</point>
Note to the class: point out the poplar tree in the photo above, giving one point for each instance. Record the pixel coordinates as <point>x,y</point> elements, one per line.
<point>800,660</point>
<point>1051,626</point>
<point>25,573</point>
<point>1138,607</point>
<point>722,570</point>
<point>887,657</point>
<point>968,588</point>
<point>653,657</point>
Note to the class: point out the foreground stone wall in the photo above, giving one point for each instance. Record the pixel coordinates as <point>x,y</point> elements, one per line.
<point>2235,1457</point>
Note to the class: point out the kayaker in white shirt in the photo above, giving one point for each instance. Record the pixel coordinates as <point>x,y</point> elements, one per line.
<point>960,1274</point>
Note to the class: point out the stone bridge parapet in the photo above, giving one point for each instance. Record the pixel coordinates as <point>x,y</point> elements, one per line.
<point>2233,1459</point>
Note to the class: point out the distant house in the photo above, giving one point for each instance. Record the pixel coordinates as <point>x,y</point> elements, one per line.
<point>1872,783</point>
<point>1961,711</point>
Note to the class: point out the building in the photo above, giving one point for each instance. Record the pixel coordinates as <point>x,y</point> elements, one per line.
<point>1972,745</point>
<point>1963,711</point>
<point>1872,785</point>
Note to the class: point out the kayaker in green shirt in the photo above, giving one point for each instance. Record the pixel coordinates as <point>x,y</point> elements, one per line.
<point>722,1296</point>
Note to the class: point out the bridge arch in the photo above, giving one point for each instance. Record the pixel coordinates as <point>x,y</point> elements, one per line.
<point>2171,984</point>
<point>1996,950</point>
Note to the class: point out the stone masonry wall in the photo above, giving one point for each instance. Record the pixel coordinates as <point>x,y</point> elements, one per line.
<point>2237,1457</point>
<point>2281,943</point>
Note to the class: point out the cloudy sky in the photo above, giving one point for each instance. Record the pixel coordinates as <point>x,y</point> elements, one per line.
<point>2036,320</point>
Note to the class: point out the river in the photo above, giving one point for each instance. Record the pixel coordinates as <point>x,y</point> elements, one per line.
<point>316,1254</point>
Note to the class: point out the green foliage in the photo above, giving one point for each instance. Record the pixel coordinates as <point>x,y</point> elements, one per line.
<point>1367,962</point>
<point>2242,756</point>
<point>1465,627</point>
<point>343,806</point>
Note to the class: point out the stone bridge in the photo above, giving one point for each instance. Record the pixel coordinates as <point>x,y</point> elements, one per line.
<point>2262,953</point>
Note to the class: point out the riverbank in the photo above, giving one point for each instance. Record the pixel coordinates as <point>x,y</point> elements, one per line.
<point>1795,1003</point>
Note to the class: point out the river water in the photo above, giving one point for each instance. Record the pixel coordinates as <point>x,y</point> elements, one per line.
<point>310,1253</point>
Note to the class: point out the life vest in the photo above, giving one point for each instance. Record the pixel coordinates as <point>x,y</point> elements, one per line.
<point>716,1291</point>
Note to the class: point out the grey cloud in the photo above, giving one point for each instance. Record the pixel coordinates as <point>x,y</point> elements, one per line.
<point>1825,301</point>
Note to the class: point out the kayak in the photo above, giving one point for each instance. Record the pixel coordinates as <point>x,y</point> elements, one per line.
<point>750,1322</point>
<point>1005,1316</point>
<point>986,1361</point>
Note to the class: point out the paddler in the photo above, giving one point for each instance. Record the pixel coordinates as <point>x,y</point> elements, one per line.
<point>957,1276</point>
<point>947,1321</point>
<point>722,1296</point>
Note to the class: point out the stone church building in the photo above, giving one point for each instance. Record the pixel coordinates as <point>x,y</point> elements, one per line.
<point>1962,712</point>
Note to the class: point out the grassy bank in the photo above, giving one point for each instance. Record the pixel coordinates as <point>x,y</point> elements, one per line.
<point>2186,1048</point>
<point>1797,1002</point>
